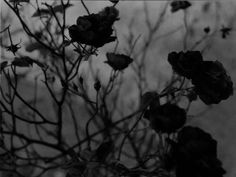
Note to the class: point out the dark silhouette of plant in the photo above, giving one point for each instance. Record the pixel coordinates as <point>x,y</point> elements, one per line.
<point>178,5</point>
<point>106,136</point>
<point>95,29</point>
<point>195,154</point>
<point>118,61</point>
<point>210,79</point>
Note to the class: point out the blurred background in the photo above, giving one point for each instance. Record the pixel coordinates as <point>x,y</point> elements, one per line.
<point>219,120</point>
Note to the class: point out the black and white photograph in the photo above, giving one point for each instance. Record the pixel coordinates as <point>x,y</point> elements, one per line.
<point>117,88</point>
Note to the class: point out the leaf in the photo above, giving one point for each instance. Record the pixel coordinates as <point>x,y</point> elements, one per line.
<point>22,61</point>
<point>26,62</point>
<point>81,80</point>
<point>41,65</point>
<point>3,65</point>
<point>34,46</point>
<point>59,8</point>
<point>41,12</point>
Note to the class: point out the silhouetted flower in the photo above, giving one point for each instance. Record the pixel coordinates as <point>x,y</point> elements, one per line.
<point>225,31</point>
<point>178,5</point>
<point>95,29</point>
<point>42,13</point>
<point>167,118</point>
<point>185,63</point>
<point>196,142</point>
<point>109,15</point>
<point>196,154</point>
<point>118,61</point>
<point>212,83</point>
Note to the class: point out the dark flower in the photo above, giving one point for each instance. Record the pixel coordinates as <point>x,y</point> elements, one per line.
<point>196,154</point>
<point>95,29</point>
<point>167,118</point>
<point>178,5</point>
<point>225,31</point>
<point>118,61</point>
<point>41,13</point>
<point>185,63</point>
<point>194,142</point>
<point>212,83</point>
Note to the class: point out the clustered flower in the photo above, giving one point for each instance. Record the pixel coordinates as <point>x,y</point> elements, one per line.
<point>95,29</point>
<point>195,154</point>
<point>210,79</point>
